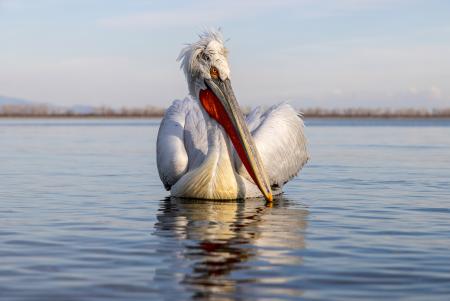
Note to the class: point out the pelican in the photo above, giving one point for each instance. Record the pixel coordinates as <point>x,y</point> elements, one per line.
<point>207,149</point>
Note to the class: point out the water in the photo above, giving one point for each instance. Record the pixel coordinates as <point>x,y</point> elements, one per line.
<point>83,216</point>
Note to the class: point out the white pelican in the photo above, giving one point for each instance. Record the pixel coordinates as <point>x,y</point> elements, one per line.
<point>207,149</point>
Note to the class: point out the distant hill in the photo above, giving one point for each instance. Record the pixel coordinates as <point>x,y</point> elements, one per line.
<point>6,100</point>
<point>75,109</point>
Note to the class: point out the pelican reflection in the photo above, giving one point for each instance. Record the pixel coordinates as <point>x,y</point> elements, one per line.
<point>221,245</point>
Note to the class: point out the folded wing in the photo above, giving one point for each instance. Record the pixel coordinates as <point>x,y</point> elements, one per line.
<point>182,141</point>
<point>279,136</point>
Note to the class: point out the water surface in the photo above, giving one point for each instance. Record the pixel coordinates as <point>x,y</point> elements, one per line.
<point>83,216</point>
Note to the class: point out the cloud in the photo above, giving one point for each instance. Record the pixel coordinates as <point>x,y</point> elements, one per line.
<point>354,73</point>
<point>432,93</point>
<point>435,92</point>
<point>207,12</point>
<point>152,20</point>
<point>200,12</point>
<point>10,4</point>
<point>93,80</point>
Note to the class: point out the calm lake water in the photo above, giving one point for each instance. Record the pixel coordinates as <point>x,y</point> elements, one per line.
<point>83,216</point>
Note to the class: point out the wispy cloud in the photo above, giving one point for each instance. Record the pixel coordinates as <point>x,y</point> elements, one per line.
<point>202,12</point>
<point>10,4</point>
<point>198,13</point>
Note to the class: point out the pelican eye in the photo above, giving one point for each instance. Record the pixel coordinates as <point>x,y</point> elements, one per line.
<point>214,72</point>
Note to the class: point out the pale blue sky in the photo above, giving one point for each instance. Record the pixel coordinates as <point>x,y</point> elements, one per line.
<point>368,53</point>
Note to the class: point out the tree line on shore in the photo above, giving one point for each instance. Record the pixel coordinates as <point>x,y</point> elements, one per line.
<point>43,110</point>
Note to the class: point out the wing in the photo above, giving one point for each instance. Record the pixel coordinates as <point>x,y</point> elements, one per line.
<point>181,143</point>
<point>281,142</point>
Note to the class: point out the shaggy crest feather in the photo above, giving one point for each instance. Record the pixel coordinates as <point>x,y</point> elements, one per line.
<point>197,59</point>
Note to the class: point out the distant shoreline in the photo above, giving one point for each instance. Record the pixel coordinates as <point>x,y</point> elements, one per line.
<point>160,116</point>
<point>45,111</point>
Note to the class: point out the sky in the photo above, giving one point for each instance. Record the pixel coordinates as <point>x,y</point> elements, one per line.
<point>311,53</point>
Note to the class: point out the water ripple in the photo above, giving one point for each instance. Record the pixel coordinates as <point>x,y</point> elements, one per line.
<point>84,217</point>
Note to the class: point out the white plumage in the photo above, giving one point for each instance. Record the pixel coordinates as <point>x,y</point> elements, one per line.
<point>195,155</point>
<point>279,136</point>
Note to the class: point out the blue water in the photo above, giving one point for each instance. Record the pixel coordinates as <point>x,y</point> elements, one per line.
<point>83,216</point>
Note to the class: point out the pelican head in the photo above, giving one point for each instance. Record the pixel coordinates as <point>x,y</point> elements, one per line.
<point>205,65</point>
